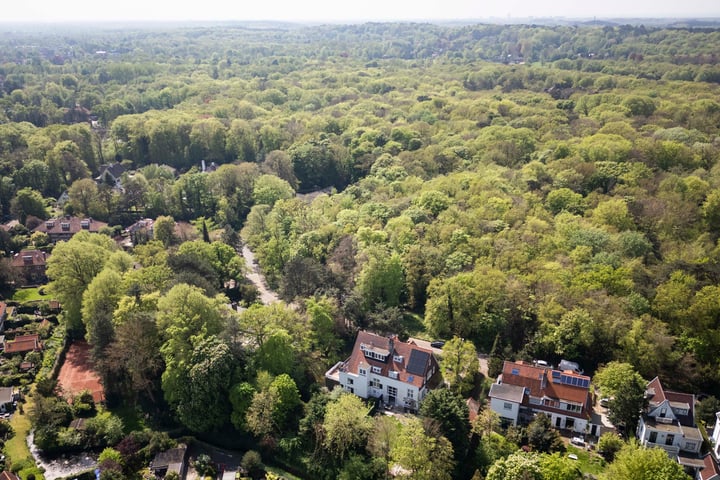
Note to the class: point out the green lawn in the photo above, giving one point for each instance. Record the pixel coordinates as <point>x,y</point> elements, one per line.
<point>16,448</point>
<point>588,462</point>
<point>28,295</point>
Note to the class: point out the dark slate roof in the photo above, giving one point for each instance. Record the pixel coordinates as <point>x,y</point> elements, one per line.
<point>173,456</point>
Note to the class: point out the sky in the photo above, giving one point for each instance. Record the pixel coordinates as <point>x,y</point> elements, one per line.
<point>345,10</point>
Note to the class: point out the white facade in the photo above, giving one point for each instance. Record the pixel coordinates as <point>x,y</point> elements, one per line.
<point>392,391</point>
<point>505,409</point>
<point>661,427</point>
<point>396,372</point>
<point>716,436</point>
<point>670,437</point>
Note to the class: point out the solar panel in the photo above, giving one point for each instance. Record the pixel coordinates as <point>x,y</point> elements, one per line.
<point>555,374</point>
<point>417,362</point>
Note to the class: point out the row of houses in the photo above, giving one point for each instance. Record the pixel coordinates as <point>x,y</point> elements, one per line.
<point>400,374</point>
<point>523,390</point>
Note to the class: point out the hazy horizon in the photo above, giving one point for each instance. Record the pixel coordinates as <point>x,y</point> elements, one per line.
<point>311,11</point>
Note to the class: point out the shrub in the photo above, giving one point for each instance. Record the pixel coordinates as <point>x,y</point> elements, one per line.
<point>252,462</point>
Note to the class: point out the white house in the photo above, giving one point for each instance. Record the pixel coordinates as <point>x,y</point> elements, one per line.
<point>396,372</point>
<point>522,390</point>
<point>669,423</point>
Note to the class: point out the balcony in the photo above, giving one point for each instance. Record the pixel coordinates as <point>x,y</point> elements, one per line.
<point>672,450</point>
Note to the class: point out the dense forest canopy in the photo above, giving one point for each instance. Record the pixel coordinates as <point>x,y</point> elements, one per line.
<point>541,191</point>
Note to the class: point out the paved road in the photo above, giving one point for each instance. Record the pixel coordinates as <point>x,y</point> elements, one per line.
<point>254,274</point>
<point>438,351</point>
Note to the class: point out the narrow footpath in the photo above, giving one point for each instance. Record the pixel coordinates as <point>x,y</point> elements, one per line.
<point>254,274</point>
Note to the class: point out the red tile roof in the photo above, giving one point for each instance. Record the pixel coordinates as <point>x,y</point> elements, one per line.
<point>68,226</point>
<point>23,343</point>
<point>711,471</point>
<point>539,381</point>
<point>29,258</point>
<point>655,391</point>
<point>657,395</point>
<point>392,347</point>
<point>8,476</point>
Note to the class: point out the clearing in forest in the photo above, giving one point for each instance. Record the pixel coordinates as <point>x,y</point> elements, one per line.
<point>78,374</point>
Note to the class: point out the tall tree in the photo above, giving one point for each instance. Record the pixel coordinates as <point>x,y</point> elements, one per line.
<point>452,415</point>
<point>203,402</point>
<point>72,267</point>
<point>422,456</point>
<point>133,359</point>
<point>28,202</point>
<point>346,426</point>
<point>635,462</point>
<point>518,466</point>
<point>459,365</point>
<point>186,318</point>
<point>98,305</point>
<point>626,389</point>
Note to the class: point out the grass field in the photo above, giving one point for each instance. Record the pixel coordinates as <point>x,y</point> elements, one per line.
<point>588,462</point>
<point>28,295</point>
<point>16,449</point>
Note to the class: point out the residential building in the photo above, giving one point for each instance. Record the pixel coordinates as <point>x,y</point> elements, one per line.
<point>669,423</point>
<point>523,390</point>
<point>64,228</point>
<point>138,233</point>
<point>22,344</point>
<point>173,460</point>
<point>29,266</point>
<point>7,398</point>
<point>398,373</point>
<point>111,174</point>
<point>711,466</point>
<point>710,469</point>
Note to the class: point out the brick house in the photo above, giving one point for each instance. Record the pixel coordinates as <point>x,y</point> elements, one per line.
<point>398,373</point>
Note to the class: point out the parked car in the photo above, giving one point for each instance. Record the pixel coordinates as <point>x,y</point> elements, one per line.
<point>437,344</point>
<point>577,441</point>
<point>605,402</point>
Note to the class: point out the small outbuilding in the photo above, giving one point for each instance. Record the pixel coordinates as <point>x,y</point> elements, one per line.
<point>173,460</point>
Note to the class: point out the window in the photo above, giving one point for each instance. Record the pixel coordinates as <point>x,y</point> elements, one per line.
<point>362,371</point>
<point>573,408</point>
<point>670,439</point>
<point>690,446</point>
<point>410,393</point>
<point>350,389</point>
<point>507,406</point>
<point>375,383</point>
<point>663,412</point>
<point>653,437</point>
<point>350,381</point>
<point>376,369</point>
<point>392,391</point>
